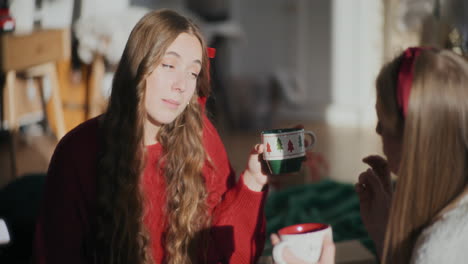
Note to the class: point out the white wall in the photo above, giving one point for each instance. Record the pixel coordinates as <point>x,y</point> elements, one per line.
<point>335,44</point>
<point>357,52</point>
<point>291,35</point>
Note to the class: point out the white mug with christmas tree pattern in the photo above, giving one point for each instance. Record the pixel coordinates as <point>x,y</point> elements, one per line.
<point>284,148</point>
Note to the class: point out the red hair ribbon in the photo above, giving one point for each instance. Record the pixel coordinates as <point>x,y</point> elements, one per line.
<point>211,52</point>
<point>211,55</point>
<point>405,77</point>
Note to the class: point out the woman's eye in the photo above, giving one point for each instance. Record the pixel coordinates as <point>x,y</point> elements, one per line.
<point>169,66</point>
<point>194,75</point>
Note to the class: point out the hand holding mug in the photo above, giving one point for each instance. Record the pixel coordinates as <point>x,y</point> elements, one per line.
<point>255,176</point>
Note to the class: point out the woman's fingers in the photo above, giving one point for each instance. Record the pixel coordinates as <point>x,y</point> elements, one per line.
<point>328,251</point>
<point>274,239</point>
<point>377,163</point>
<point>368,186</point>
<point>257,149</point>
<point>359,188</point>
<point>373,181</point>
<point>362,189</point>
<point>260,148</point>
<point>380,166</point>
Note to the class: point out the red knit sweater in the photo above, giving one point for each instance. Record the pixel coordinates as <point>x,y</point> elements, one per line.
<point>68,211</point>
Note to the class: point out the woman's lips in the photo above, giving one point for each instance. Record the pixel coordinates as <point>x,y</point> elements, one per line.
<point>172,104</point>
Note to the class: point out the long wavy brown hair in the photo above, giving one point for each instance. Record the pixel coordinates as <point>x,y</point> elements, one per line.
<point>121,236</point>
<point>433,170</point>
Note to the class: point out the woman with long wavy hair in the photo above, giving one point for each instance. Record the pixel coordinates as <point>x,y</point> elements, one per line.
<point>149,181</point>
<point>422,111</point>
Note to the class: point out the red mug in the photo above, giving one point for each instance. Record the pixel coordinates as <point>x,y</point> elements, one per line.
<point>304,240</point>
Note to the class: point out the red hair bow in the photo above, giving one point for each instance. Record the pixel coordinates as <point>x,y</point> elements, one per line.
<point>211,55</point>
<point>405,77</point>
<point>211,52</point>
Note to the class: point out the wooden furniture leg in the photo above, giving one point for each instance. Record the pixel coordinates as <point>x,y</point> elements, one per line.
<point>50,70</point>
<point>13,125</point>
<point>42,70</point>
<point>95,97</point>
<point>57,102</point>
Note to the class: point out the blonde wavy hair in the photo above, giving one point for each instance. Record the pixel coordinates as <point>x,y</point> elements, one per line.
<point>121,236</point>
<point>434,157</point>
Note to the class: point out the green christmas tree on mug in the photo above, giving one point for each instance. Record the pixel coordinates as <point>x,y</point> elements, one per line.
<point>279,144</point>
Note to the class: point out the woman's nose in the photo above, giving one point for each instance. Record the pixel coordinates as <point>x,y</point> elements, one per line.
<point>180,82</point>
<point>378,128</point>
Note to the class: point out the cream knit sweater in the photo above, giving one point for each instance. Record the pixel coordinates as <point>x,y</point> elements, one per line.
<point>446,240</point>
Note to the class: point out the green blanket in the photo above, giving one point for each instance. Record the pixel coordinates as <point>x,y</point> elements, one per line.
<point>326,201</point>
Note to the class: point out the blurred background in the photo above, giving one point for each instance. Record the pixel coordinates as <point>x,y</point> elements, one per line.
<point>279,63</point>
